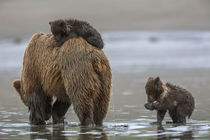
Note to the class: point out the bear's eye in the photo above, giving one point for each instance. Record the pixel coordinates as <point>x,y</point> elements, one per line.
<point>62,24</point>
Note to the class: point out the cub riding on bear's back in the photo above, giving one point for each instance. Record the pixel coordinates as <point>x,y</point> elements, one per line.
<point>71,28</point>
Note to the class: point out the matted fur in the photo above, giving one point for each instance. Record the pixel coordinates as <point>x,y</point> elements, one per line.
<point>165,92</point>
<point>75,73</point>
<point>168,97</point>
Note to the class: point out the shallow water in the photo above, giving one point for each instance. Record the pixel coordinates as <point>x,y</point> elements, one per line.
<point>179,57</point>
<point>15,126</point>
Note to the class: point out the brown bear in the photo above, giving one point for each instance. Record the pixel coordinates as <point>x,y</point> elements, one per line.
<point>66,29</point>
<point>75,73</point>
<point>166,96</point>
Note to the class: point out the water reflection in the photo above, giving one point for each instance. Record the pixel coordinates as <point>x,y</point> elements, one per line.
<point>43,132</point>
<point>92,134</point>
<point>39,132</point>
<point>59,132</point>
<point>165,135</point>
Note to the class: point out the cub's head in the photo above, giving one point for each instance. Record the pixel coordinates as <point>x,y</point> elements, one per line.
<point>59,28</point>
<point>18,87</point>
<point>154,88</point>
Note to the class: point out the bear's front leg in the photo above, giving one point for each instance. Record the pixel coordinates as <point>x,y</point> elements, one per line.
<point>37,109</point>
<point>48,108</point>
<point>59,110</point>
<point>160,116</point>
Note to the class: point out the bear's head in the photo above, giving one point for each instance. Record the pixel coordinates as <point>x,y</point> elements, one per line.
<point>154,88</point>
<point>18,87</point>
<point>59,29</point>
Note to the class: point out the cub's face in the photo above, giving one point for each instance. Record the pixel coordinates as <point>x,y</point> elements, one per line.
<point>18,87</point>
<point>58,28</point>
<point>154,87</point>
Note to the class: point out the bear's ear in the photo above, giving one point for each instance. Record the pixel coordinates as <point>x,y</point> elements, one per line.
<point>157,79</point>
<point>50,22</point>
<point>16,85</point>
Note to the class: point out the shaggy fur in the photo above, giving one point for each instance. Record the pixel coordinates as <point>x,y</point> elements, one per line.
<point>66,29</point>
<point>162,97</point>
<point>75,73</point>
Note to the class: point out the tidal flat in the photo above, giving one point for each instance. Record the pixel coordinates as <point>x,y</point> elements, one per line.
<point>179,57</point>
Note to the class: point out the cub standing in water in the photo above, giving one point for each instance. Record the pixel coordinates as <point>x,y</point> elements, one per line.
<point>165,96</point>
<point>66,29</point>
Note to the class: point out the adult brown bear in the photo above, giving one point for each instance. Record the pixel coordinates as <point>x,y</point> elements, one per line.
<point>75,73</point>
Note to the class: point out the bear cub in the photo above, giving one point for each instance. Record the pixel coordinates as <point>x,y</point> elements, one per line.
<point>67,29</point>
<point>165,97</point>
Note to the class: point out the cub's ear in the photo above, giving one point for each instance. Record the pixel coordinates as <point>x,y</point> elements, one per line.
<point>50,22</point>
<point>157,79</point>
<point>16,85</point>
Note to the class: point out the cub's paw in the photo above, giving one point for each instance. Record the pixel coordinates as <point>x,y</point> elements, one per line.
<point>155,104</point>
<point>149,106</point>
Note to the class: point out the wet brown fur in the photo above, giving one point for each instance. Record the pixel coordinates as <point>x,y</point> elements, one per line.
<point>71,28</point>
<point>75,73</point>
<point>168,97</point>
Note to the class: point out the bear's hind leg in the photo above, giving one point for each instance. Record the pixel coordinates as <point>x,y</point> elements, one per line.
<point>177,116</point>
<point>59,110</point>
<point>173,115</point>
<point>83,107</point>
<point>101,105</point>
<point>181,114</point>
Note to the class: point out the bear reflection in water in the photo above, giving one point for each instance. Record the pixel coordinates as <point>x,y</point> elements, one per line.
<point>86,133</point>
